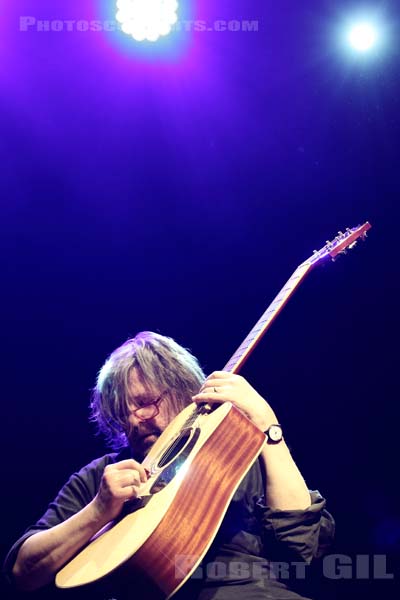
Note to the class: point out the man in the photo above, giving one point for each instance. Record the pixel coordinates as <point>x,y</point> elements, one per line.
<point>273,519</point>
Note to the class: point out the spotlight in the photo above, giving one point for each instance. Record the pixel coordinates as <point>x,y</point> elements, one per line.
<point>363,36</point>
<point>147,19</point>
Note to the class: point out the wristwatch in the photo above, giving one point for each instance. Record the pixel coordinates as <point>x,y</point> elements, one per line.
<point>274,434</point>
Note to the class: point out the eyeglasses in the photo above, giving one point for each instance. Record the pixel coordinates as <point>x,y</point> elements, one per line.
<point>151,410</point>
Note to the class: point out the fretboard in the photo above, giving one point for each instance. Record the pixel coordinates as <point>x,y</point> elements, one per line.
<point>267,318</point>
<point>338,246</point>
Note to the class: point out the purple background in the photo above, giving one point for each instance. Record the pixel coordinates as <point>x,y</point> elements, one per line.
<point>177,193</point>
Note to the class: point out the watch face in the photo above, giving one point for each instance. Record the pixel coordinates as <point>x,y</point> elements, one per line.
<point>275,433</point>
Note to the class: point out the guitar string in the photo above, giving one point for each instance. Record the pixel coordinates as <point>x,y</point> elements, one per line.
<point>187,424</point>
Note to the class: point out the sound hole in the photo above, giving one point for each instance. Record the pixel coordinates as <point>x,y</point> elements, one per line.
<point>175,448</point>
<point>174,458</point>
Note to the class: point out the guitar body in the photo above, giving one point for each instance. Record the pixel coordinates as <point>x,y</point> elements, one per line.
<point>185,500</point>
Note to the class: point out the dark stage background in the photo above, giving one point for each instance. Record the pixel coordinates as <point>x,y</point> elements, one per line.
<point>177,194</point>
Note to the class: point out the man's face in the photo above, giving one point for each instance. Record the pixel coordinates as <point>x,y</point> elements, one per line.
<point>145,432</point>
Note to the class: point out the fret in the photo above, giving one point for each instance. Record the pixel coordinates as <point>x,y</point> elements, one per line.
<point>266,319</point>
<point>192,418</point>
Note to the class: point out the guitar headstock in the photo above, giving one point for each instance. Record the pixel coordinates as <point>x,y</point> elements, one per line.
<point>340,244</point>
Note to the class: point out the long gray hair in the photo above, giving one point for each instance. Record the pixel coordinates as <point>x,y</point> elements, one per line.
<point>159,362</point>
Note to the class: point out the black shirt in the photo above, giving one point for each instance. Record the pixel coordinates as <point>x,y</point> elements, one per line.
<point>258,553</point>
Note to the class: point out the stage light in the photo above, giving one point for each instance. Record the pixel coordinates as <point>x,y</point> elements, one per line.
<point>147,19</point>
<point>363,36</point>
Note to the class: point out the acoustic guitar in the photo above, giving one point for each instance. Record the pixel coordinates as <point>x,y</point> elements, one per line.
<point>194,469</point>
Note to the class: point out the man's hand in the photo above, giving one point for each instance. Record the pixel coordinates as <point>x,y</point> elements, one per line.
<point>42,554</point>
<point>285,488</point>
<point>221,386</point>
<point>120,482</point>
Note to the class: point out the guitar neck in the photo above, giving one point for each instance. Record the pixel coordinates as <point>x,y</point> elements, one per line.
<point>267,318</point>
<point>333,249</point>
